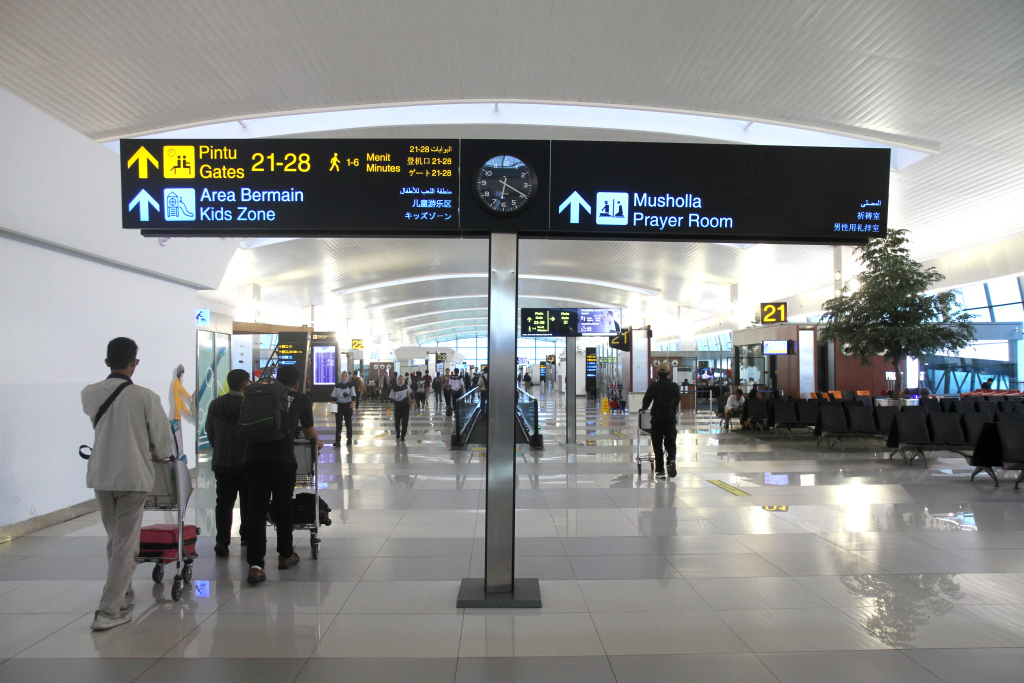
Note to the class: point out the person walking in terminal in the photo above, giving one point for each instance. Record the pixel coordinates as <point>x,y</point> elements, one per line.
<point>663,393</point>
<point>421,385</point>
<point>344,393</point>
<point>438,386</point>
<point>446,387</point>
<point>131,432</point>
<point>401,396</point>
<point>357,382</point>
<point>456,386</point>
<point>270,472</point>
<point>734,406</point>
<point>228,451</point>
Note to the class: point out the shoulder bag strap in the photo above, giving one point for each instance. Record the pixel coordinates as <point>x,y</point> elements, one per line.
<point>107,403</point>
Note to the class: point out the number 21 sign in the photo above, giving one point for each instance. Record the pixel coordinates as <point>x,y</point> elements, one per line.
<point>773,313</point>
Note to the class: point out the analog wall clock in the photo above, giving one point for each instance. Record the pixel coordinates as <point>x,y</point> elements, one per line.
<point>505,185</point>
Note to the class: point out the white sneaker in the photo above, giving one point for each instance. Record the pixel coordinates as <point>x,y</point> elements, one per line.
<point>102,621</point>
<point>129,598</point>
<point>659,475</point>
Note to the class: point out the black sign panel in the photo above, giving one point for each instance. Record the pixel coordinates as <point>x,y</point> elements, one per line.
<point>591,368</point>
<point>560,189</point>
<point>547,322</point>
<point>621,341</point>
<point>290,187</point>
<point>774,313</point>
<point>717,192</point>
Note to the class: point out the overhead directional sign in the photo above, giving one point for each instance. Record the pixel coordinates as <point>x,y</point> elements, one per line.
<point>357,344</point>
<point>621,341</point>
<point>576,189</point>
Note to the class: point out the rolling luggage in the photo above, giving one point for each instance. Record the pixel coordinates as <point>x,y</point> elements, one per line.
<point>161,541</point>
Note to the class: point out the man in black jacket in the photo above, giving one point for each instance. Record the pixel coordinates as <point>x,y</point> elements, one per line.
<point>228,448</point>
<point>664,394</point>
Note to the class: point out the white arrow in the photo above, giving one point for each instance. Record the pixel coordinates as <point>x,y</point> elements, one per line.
<point>574,202</point>
<point>144,200</point>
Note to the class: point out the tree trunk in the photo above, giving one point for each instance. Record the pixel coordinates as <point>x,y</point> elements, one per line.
<point>898,390</point>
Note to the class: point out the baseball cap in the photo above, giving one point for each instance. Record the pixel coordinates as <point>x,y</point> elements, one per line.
<point>663,368</point>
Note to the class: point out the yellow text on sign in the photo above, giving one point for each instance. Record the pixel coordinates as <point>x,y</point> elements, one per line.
<point>357,343</point>
<point>179,161</point>
<point>774,313</point>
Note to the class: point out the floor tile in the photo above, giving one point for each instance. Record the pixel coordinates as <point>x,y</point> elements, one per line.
<point>403,597</point>
<point>556,596</point>
<point>764,592</point>
<point>418,569</point>
<point>919,561</point>
<point>992,665</point>
<point>323,569</point>
<point>426,547</point>
<point>383,670</point>
<point>642,595</point>
<point>21,631</point>
<point>534,669</point>
<point>698,545</point>
<point>721,668</point>
<point>800,630</point>
<point>833,561</point>
<point>392,635</point>
<point>847,667</point>
<point>866,590</point>
<point>248,636</point>
<point>728,565</point>
<point>527,635</point>
<point>147,636</point>
<point>665,633</point>
<point>289,597</point>
<point>971,589</point>
<point>223,670</point>
<point>577,546</point>
<point>74,670</point>
<point>943,625</point>
<point>623,567</point>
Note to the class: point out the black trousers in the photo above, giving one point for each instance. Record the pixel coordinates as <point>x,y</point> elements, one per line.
<point>344,414</point>
<point>269,480</point>
<point>230,483</point>
<point>663,432</point>
<point>437,398</point>
<point>448,398</point>
<point>401,419</point>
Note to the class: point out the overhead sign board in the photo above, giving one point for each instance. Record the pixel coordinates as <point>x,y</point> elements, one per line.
<point>538,188</point>
<point>547,322</point>
<point>621,341</point>
<point>775,312</point>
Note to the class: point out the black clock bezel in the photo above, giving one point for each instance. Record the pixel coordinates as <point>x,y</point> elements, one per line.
<point>505,214</point>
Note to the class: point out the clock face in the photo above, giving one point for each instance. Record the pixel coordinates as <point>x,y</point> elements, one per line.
<point>505,185</point>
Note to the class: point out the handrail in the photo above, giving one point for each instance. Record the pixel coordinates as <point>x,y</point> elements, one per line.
<point>464,424</point>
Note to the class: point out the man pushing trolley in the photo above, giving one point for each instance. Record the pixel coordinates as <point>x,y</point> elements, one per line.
<point>662,398</point>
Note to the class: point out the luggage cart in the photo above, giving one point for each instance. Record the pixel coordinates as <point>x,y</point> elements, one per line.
<point>172,488</point>
<point>643,426</point>
<point>306,457</point>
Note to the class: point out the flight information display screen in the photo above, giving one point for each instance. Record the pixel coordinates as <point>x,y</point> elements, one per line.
<point>599,322</point>
<point>324,364</point>
<point>548,322</point>
<point>290,187</point>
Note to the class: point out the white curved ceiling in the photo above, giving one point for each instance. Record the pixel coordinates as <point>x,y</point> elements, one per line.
<point>934,74</point>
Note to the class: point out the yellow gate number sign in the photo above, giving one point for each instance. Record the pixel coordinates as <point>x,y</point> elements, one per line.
<point>550,359</point>
<point>773,313</point>
<point>357,343</point>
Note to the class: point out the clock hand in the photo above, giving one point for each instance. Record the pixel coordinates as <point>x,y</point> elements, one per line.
<point>509,186</point>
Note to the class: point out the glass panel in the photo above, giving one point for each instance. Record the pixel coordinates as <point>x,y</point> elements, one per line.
<point>1004,290</point>
<point>974,296</point>
<point>223,362</point>
<point>1011,313</point>
<point>981,315</point>
<point>205,383</point>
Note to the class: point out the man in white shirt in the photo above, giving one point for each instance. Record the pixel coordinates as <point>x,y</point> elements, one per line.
<point>131,431</point>
<point>734,406</point>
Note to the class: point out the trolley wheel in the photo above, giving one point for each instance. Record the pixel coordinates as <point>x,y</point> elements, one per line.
<point>186,572</point>
<point>639,467</point>
<point>314,546</point>
<point>176,589</point>
<point>158,572</point>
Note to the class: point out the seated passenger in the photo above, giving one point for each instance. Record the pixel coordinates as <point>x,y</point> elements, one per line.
<point>734,406</point>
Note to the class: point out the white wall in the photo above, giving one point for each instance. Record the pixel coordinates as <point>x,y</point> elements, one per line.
<point>58,313</point>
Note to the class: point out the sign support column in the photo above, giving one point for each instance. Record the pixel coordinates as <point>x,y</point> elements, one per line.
<point>499,588</point>
<point>570,391</point>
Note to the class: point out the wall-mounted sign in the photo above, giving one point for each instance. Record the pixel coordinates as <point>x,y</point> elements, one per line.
<point>599,321</point>
<point>202,317</point>
<point>775,347</point>
<point>442,357</point>
<point>550,359</point>
<point>357,344</point>
<point>539,188</point>
<point>621,341</point>
<point>547,322</point>
<point>324,365</point>
<point>774,313</point>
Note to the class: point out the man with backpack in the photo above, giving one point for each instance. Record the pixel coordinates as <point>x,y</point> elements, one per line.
<point>228,452</point>
<point>271,413</point>
<point>438,386</point>
<point>421,384</point>
<point>131,432</point>
<point>344,394</point>
<point>663,393</point>
<point>401,396</point>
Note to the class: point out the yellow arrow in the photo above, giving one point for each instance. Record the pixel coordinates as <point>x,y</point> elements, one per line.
<point>142,156</point>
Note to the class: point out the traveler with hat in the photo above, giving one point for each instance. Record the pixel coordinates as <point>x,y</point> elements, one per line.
<point>662,398</point>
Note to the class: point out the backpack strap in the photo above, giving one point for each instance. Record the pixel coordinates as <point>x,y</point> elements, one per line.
<point>108,403</point>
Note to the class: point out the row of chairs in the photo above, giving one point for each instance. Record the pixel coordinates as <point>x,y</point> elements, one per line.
<point>984,440</point>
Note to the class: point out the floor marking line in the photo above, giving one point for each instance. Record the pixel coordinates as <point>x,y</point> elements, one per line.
<point>727,487</point>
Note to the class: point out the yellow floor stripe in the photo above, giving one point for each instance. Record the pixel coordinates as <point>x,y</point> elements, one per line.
<point>726,487</point>
<point>619,434</point>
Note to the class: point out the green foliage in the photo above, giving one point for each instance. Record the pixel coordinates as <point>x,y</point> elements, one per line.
<point>890,314</point>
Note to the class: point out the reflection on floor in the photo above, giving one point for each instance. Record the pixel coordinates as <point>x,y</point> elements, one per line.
<point>804,567</point>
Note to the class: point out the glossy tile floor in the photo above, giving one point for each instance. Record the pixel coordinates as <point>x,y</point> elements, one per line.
<point>809,566</point>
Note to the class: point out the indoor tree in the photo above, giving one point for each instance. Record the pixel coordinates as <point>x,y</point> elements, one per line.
<point>888,312</point>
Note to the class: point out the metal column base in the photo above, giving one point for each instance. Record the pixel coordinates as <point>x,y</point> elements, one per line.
<point>525,593</point>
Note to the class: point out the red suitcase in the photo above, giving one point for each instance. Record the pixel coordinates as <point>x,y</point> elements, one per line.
<point>160,541</point>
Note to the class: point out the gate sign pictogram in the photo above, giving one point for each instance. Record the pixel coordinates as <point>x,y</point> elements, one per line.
<point>357,344</point>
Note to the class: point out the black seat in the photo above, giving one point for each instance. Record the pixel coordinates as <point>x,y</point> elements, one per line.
<point>862,419</point>
<point>1001,444</point>
<point>784,416</point>
<point>946,429</point>
<point>807,412</point>
<point>973,424</point>
<point>849,395</point>
<point>756,411</point>
<point>832,424</point>
<point>1010,416</point>
<point>931,405</point>
<point>990,407</point>
<point>884,416</point>
<point>914,409</point>
<point>1004,406</point>
<point>909,430</point>
<point>948,405</point>
<point>961,407</point>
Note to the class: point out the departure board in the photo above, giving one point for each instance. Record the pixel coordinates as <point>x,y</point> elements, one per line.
<point>290,187</point>
<point>547,322</point>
